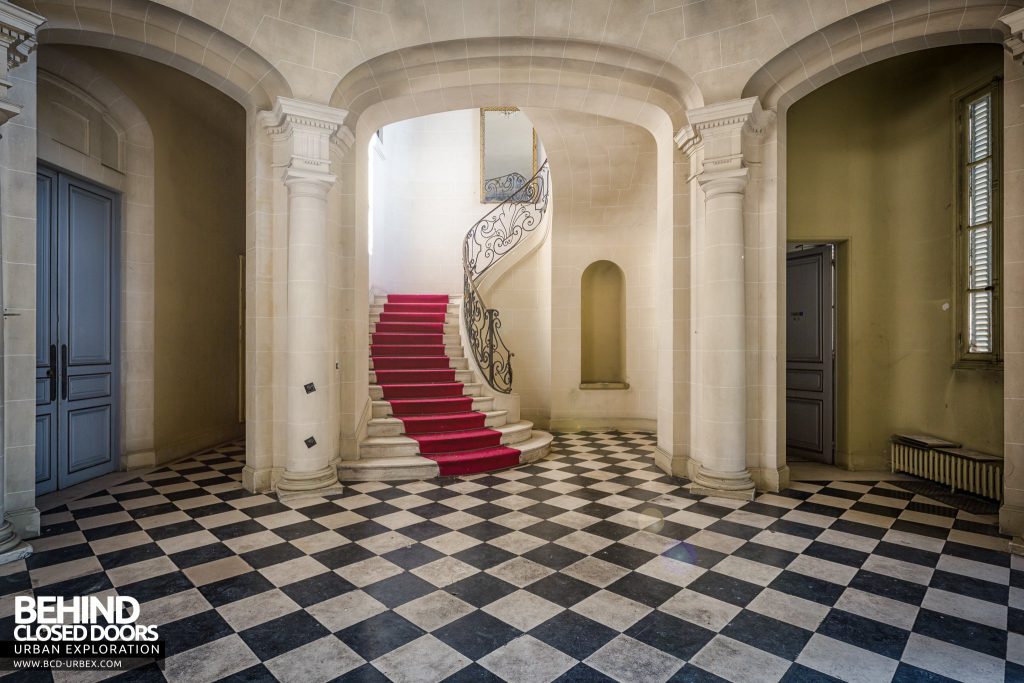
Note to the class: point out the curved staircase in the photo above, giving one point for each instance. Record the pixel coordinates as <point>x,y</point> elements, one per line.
<point>430,414</point>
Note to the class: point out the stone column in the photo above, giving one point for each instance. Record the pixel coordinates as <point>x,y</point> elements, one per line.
<point>306,132</point>
<point>716,136</point>
<point>17,40</point>
<point>1011,514</point>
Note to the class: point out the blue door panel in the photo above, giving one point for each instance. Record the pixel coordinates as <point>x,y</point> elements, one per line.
<point>46,331</point>
<point>88,277</point>
<point>88,438</point>
<point>46,428</point>
<point>77,419</point>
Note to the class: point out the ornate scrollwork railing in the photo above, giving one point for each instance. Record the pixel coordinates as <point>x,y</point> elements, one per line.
<point>504,186</point>
<point>496,234</point>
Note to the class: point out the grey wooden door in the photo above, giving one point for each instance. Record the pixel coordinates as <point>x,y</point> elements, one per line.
<point>810,374</point>
<point>76,331</point>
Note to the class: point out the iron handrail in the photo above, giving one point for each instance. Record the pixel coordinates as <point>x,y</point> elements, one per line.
<point>492,237</point>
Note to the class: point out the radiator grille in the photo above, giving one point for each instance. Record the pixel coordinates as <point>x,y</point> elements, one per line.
<point>958,468</point>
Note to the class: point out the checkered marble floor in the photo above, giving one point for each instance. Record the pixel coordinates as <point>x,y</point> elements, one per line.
<point>588,566</point>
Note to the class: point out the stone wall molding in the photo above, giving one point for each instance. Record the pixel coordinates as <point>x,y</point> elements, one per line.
<point>1014,42</point>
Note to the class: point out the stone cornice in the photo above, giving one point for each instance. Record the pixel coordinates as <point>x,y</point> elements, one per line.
<point>723,119</point>
<point>687,140</point>
<point>1015,41</point>
<point>723,131</point>
<point>18,39</point>
<point>18,32</point>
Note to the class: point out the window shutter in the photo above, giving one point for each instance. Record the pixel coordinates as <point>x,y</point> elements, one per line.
<point>979,229</point>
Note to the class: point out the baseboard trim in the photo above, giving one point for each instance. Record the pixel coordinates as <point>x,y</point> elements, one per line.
<point>139,460</point>
<point>770,479</point>
<point>197,442</point>
<point>600,424</point>
<point>260,480</point>
<point>672,465</point>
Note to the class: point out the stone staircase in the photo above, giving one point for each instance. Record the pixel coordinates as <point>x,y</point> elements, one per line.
<point>431,414</point>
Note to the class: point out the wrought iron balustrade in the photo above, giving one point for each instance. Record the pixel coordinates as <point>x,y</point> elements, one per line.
<point>492,237</point>
<point>504,186</point>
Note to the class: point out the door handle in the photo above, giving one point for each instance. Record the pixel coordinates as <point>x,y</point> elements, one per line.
<point>64,372</point>
<point>52,373</point>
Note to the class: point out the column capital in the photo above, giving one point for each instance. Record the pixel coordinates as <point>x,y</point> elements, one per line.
<point>724,181</point>
<point>312,130</point>
<point>1014,43</point>
<point>719,130</point>
<point>17,40</point>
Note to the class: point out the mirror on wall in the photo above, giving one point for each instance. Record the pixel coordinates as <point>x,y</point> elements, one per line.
<point>508,152</point>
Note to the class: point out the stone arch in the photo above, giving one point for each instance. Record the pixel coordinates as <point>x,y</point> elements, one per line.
<point>886,30</point>
<point>165,35</point>
<point>134,179</point>
<point>883,31</point>
<point>534,74</point>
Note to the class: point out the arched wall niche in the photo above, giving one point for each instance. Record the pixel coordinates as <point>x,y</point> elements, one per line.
<point>73,99</point>
<point>603,326</point>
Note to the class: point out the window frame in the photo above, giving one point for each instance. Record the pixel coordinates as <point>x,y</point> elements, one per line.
<point>964,359</point>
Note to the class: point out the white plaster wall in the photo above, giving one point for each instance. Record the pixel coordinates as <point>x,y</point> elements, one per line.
<point>605,195</point>
<point>427,195</point>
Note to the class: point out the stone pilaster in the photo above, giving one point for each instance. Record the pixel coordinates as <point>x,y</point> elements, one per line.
<point>715,142</point>
<point>17,40</point>
<point>308,132</point>
<point>1011,513</point>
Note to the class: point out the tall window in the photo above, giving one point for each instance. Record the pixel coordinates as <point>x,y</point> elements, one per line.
<point>979,227</point>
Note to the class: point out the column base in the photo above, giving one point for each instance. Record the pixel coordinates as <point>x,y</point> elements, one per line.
<point>302,484</point>
<point>25,522</point>
<point>1016,546</point>
<point>11,546</point>
<point>18,552</point>
<point>736,485</point>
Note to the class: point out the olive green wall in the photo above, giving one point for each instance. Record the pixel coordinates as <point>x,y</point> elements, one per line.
<point>871,163</point>
<point>603,324</point>
<point>199,139</point>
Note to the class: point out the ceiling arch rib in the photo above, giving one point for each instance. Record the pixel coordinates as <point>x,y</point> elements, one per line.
<point>883,31</point>
<point>535,72</point>
<point>157,32</point>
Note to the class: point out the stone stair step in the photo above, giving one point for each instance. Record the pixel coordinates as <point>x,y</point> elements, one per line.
<point>398,446</point>
<point>464,376</point>
<point>469,389</point>
<point>393,426</point>
<point>382,408</point>
<point>387,469</point>
<point>453,363</point>
<point>534,448</point>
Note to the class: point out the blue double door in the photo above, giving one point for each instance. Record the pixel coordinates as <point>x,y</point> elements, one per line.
<point>77,416</point>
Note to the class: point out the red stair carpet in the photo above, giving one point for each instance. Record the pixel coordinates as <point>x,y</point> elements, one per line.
<point>416,377</point>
